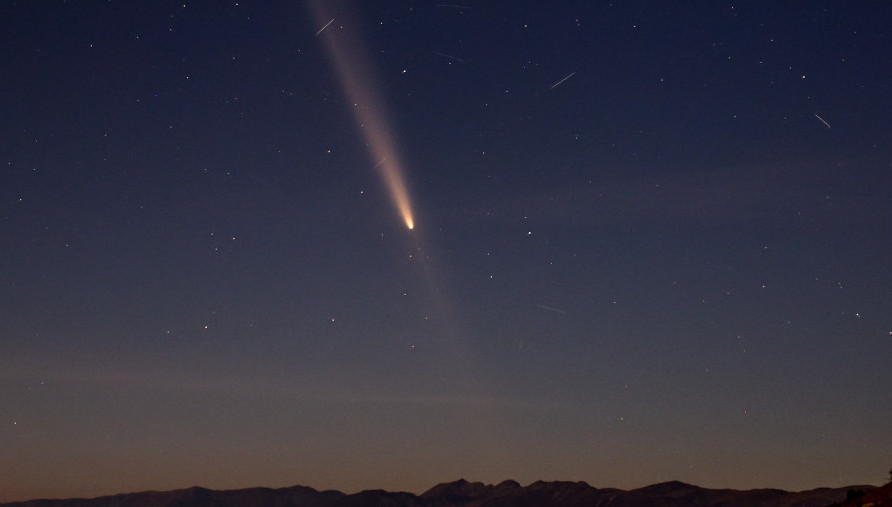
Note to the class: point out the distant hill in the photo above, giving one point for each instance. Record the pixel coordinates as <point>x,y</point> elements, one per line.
<point>875,497</point>
<point>462,493</point>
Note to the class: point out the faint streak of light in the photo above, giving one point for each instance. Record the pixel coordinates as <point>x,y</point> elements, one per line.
<point>568,76</point>
<point>823,121</point>
<point>444,55</point>
<point>552,309</point>
<point>454,6</point>
<point>324,27</point>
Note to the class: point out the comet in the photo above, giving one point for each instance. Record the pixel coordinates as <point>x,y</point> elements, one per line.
<point>368,109</point>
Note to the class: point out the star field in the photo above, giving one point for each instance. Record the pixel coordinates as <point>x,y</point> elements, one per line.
<point>390,245</point>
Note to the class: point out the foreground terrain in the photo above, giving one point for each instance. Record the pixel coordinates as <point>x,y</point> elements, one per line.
<point>462,493</point>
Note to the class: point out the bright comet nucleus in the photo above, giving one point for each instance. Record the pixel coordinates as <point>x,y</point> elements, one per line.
<point>349,62</point>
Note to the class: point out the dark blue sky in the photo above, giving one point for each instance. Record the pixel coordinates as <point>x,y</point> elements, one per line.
<point>673,264</point>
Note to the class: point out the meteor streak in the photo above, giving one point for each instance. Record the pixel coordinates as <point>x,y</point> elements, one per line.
<point>324,27</point>
<point>373,125</point>
<point>552,309</point>
<point>568,76</point>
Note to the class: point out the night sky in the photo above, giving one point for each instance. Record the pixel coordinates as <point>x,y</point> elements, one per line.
<point>650,241</point>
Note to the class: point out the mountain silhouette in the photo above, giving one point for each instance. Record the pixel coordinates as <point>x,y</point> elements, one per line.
<point>876,497</point>
<point>462,493</point>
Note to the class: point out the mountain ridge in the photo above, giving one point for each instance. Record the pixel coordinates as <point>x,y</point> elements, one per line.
<point>463,493</point>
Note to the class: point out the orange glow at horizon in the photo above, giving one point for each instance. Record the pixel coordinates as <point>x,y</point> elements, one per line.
<point>356,81</point>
